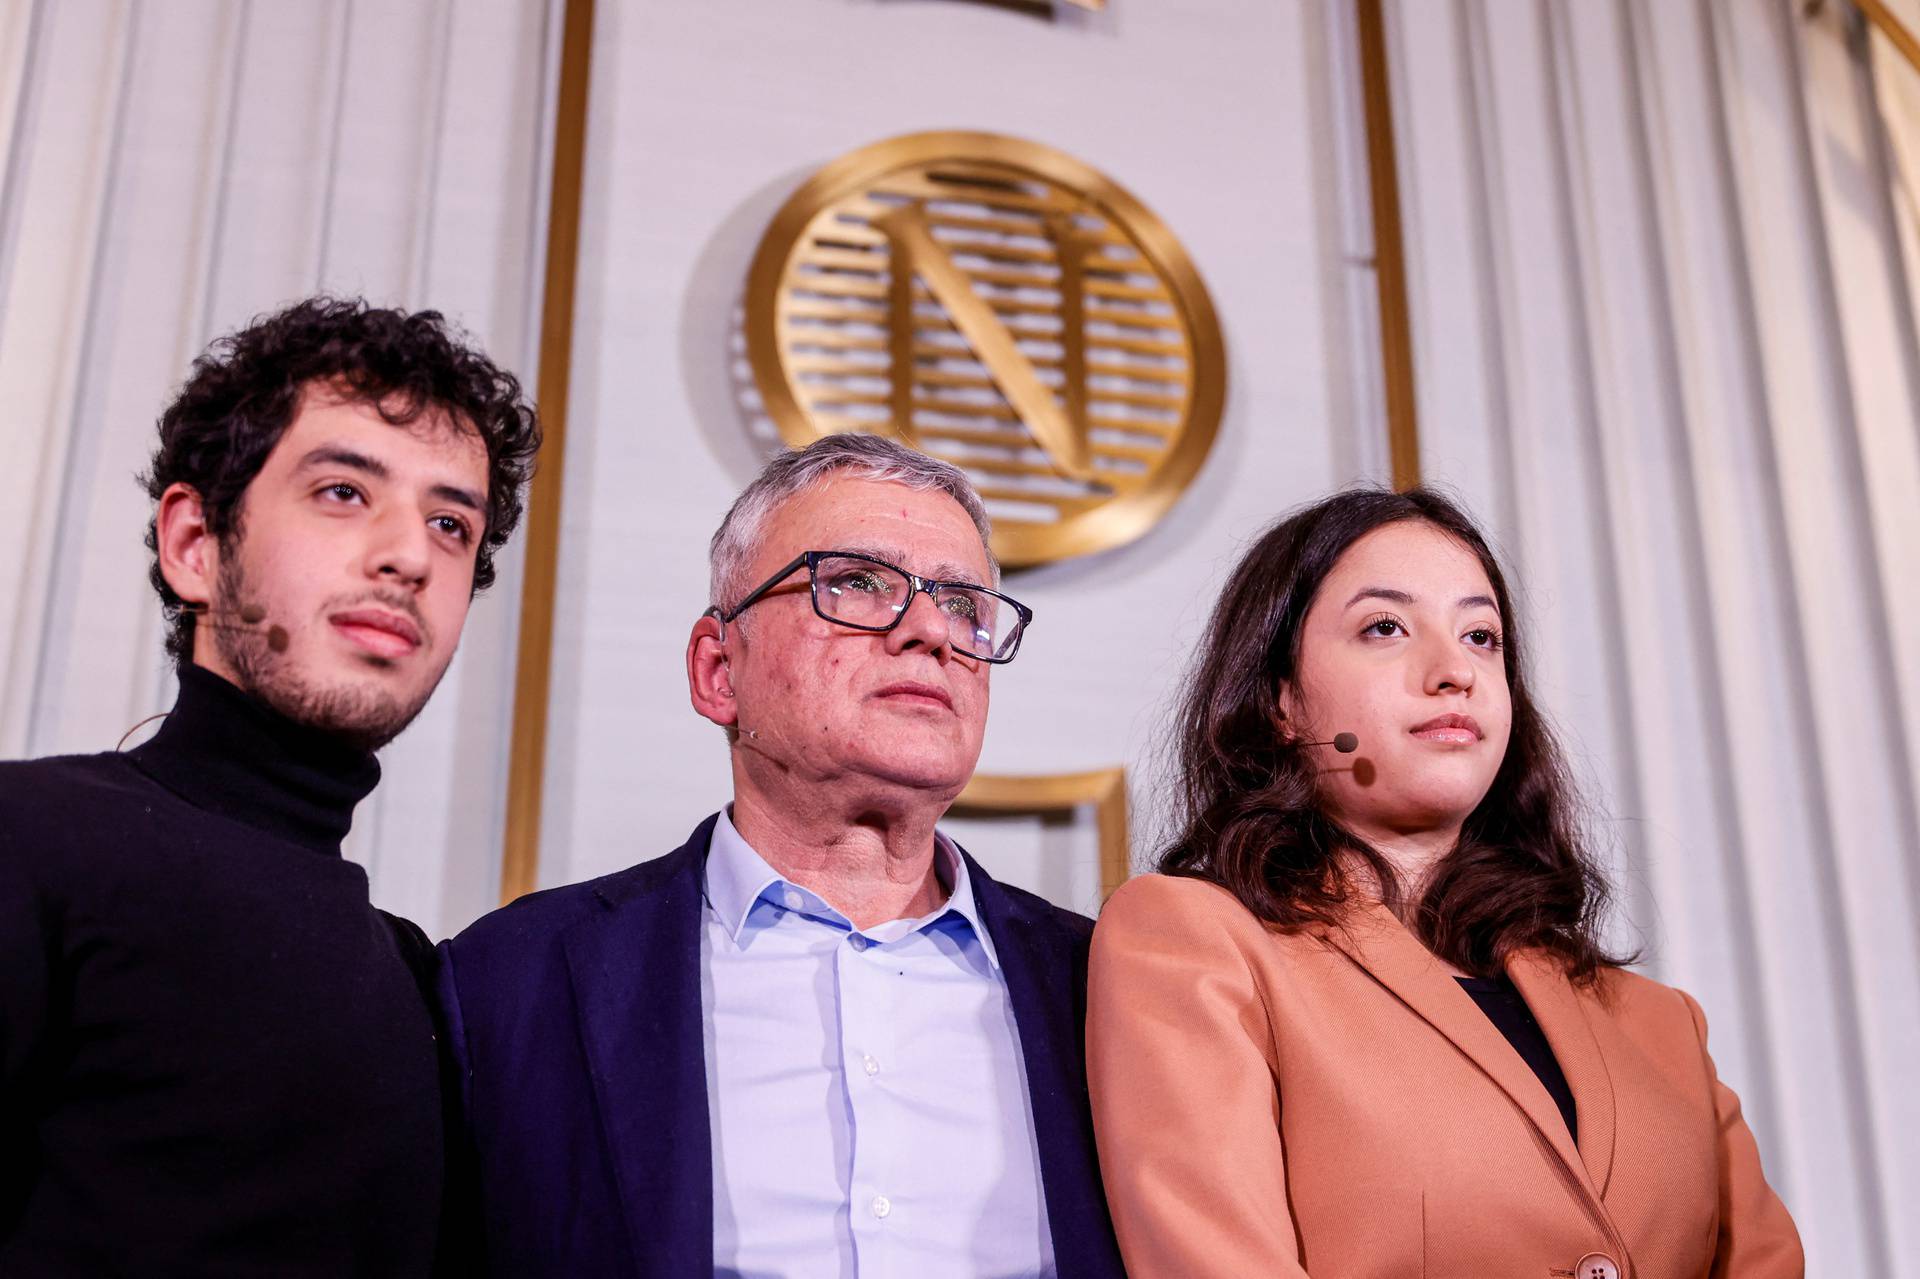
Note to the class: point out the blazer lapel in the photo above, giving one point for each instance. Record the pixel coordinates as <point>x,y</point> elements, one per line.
<point>1565,1019</point>
<point>1379,943</point>
<point>1046,978</point>
<point>635,969</point>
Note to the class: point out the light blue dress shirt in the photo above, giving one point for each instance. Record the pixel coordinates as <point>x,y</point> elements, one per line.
<point>866,1088</point>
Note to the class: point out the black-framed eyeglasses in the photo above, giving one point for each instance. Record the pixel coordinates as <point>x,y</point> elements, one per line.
<point>868,594</point>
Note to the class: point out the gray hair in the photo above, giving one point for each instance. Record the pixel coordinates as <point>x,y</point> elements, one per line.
<point>866,457</point>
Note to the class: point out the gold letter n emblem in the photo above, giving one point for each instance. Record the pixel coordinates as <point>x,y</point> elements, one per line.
<point>1060,430</point>
<point>1000,306</point>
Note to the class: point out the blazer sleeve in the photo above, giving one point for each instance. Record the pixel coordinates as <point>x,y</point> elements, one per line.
<point>462,1217</point>
<point>1757,1237</point>
<point>1180,1071</point>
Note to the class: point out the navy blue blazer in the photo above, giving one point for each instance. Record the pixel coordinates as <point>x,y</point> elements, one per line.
<point>574,1019</point>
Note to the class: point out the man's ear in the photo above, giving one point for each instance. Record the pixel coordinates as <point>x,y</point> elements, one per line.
<point>189,553</point>
<point>709,677</point>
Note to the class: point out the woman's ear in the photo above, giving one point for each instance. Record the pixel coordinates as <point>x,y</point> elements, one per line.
<point>1286,710</point>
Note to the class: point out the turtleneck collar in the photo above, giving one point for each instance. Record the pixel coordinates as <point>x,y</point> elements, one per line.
<point>222,750</point>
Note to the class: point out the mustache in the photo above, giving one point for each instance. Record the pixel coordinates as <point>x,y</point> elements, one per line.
<point>397,601</point>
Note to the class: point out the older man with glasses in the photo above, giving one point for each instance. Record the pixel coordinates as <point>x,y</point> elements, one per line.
<point>817,1039</point>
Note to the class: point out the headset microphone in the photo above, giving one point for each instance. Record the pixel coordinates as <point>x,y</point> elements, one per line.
<point>250,615</point>
<point>1345,743</point>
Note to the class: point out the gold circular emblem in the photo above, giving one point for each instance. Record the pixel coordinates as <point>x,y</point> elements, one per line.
<point>1002,306</point>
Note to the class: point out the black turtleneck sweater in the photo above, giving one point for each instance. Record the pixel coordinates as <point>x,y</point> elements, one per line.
<point>214,1054</point>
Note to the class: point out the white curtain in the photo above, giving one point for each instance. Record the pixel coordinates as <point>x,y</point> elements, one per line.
<point>1665,331</point>
<point>172,168</point>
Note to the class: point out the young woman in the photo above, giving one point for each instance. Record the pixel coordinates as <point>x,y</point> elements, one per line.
<point>1362,1023</point>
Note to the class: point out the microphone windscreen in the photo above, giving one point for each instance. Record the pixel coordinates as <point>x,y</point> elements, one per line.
<point>1346,743</point>
<point>252,614</point>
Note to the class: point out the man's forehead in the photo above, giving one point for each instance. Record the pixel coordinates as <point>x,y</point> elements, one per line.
<point>923,530</point>
<point>433,436</point>
<point>914,560</point>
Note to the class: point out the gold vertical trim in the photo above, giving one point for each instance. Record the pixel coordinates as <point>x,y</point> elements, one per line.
<point>527,750</point>
<point>1105,789</point>
<point>1390,262</point>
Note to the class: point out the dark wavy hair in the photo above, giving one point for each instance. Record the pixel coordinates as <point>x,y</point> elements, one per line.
<point>244,392</point>
<point>1248,814</point>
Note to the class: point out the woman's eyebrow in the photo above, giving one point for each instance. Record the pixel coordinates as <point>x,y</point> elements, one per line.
<point>1406,600</point>
<point>1386,593</point>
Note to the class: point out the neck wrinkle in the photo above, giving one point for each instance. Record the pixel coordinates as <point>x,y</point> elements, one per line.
<point>871,872</point>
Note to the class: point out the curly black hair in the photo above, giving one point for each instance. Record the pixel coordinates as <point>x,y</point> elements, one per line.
<point>244,392</point>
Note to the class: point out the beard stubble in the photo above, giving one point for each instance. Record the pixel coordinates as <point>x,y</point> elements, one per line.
<point>365,717</point>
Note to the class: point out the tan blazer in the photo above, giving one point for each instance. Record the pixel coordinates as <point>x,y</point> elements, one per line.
<point>1335,1104</point>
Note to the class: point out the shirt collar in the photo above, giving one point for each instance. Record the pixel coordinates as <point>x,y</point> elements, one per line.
<point>738,879</point>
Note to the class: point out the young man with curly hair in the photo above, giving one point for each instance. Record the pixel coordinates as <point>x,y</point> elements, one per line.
<point>215,1057</point>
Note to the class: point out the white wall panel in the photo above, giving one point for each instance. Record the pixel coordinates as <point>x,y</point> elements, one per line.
<point>1056,855</point>
<point>1223,118</point>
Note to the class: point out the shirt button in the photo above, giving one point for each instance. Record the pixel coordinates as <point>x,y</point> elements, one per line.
<point>794,900</point>
<point>1597,1265</point>
<point>857,941</point>
<point>872,1066</point>
<point>882,1205</point>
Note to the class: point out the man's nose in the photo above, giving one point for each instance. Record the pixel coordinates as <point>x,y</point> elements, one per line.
<point>400,550</point>
<point>923,625</point>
